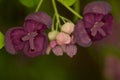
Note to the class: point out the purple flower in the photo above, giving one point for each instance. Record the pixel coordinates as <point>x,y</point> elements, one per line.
<point>31,37</point>
<point>112,68</point>
<point>96,24</point>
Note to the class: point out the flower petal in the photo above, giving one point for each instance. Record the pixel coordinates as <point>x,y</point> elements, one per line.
<point>53,43</point>
<point>40,46</point>
<point>71,50</point>
<point>91,18</point>
<point>13,42</point>
<point>40,17</point>
<point>108,24</point>
<point>81,35</point>
<point>32,26</point>
<point>58,51</point>
<point>100,7</point>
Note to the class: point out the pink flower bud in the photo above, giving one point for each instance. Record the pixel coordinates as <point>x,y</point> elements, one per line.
<point>63,38</point>
<point>53,43</point>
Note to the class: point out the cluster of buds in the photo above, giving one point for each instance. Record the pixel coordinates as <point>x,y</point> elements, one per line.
<point>63,41</point>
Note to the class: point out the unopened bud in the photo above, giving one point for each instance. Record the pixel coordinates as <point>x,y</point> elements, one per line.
<point>63,38</point>
<point>68,27</point>
<point>52,35</point>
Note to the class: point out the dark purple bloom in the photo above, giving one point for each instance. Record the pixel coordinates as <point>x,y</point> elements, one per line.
<point>96,24</point>
<point>31,38</point>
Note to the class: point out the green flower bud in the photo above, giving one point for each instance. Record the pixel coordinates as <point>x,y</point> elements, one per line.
<point>52,35</point>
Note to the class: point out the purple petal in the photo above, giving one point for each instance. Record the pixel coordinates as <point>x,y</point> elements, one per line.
<point>73,40</point>
<point>81,35</point>
<point>71,50</point>
<point>32,26</point>
<point>40,17</point>
<point>108,24</point>
<point>13,42</point>
<point>58,51</point>
<point>100,7</point>
<point>40,46</point>
<point>91,18</point>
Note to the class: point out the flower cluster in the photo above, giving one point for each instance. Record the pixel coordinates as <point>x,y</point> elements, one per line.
<point>63,41</point>
<point>96,24</point>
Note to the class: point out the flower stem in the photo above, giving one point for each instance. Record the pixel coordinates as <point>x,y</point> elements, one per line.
<point>77,9</point>
<point>65,19</point>
<point>71,10</point>
<point>56,14</point>
<point>39,5</point>
<point>53,22</point>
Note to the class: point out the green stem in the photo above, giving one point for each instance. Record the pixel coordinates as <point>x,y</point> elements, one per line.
<point>39,4</point>
<point>53,22</point>
<point>71,10</point>
<point>56,14</point>
<point>65,19</point>
<point>77,9</point>
<point>62,19</point>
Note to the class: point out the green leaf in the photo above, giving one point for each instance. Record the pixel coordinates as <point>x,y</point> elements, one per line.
<point>1,40</point>
<point>29,3</point>
<point>67,2</point>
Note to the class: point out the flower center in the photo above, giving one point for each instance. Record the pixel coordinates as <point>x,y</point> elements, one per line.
<point>97,28</point>
<point>30,37</point>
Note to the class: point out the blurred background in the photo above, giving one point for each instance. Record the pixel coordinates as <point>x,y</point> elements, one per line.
<point>94,63</point>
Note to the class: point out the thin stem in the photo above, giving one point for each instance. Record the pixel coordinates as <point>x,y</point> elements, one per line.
<point>71,10</point>
<point>39,4</point>
<point>56,14</point>
<point>53,22</point>
<point>62,19</point>
<point>77,9</point>
<point>54,6</point>
<point>65,19</point>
